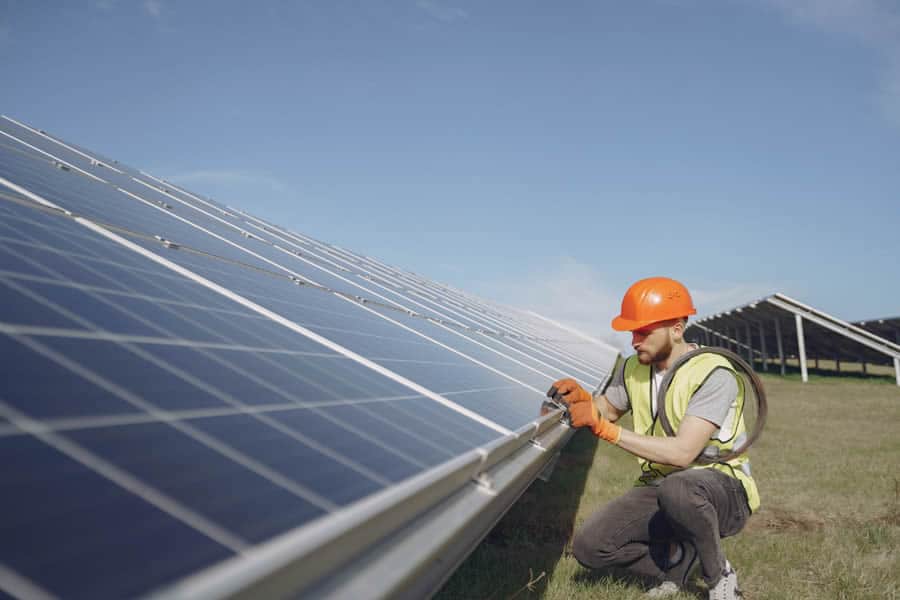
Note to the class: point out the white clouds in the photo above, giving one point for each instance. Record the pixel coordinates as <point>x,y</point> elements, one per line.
<point>874,23</point>
<point>151,8</point>
<point>154,8</point>
<point>442,12</point>
<point>570,292</point>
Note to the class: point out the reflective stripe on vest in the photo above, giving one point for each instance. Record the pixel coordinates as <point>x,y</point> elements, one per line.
<point>686,381</point>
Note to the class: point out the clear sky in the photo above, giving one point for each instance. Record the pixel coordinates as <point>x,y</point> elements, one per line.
<point>543,154</point>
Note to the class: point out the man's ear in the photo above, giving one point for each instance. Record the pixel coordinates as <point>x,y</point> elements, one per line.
<point>677,330</point>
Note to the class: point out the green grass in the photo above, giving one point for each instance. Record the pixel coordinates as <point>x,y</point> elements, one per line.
<point>828,469</point>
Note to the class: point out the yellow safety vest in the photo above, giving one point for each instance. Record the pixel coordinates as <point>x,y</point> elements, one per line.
<point>687,380</point>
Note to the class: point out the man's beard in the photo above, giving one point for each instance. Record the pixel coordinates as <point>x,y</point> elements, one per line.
<point>660,355</point>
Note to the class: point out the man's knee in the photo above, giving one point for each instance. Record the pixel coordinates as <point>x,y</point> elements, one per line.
<point>593,551</point>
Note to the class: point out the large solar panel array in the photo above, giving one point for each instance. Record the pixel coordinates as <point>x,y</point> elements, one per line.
<point>184,382</point>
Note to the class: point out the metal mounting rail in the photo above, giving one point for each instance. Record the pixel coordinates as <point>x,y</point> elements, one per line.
<point>403,542</point>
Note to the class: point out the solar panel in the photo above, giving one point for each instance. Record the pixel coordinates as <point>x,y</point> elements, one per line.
<point>185,388</point>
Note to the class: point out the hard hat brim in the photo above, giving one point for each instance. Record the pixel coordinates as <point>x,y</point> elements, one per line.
<point>622,324</point>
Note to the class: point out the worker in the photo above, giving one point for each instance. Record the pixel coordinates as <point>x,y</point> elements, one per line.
<point>675,515</point>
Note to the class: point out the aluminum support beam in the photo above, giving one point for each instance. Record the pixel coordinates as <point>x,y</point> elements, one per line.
<point>762,343</point>
<point>780,345</point>
<point>897,368</point>
<point>801,346</point>
<point>749,345</point>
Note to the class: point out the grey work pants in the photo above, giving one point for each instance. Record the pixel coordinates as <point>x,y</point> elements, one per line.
<point>634,531</point>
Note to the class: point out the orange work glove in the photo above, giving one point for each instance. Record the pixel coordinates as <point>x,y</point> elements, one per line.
<point>568,391</point>
<point>585,414</point>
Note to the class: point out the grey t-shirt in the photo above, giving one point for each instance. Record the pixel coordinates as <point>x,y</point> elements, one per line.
<point>712,401</point>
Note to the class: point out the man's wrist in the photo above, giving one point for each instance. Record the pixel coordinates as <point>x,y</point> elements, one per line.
<point>608,431</point>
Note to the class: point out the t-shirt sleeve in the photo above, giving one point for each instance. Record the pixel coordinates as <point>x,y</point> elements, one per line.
<point>615,391</point>
<point>714,398</point>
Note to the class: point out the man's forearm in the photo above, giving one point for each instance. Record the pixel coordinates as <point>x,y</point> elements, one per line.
<point>664,450</point>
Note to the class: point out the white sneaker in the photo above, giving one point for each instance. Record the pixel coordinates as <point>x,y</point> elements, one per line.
<point>663,590</point>
<point>727,587</point>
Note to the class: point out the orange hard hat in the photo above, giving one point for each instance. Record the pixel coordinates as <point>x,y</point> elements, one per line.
<point>651,300</point>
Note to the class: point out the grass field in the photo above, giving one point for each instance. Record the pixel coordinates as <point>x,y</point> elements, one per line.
<point>828,469</point>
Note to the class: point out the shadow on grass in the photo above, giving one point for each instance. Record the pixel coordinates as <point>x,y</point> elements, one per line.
<point>532,537</point>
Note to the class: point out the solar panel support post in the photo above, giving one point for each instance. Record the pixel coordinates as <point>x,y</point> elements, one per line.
<point>837,365</point>
<point>801,348</point>
<point>780,345</point>
<point>762,344</point>
<point>749,345</point>
<point>897,368</point>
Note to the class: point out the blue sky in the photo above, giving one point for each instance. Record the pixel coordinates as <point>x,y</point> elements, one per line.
<point>543,154</point>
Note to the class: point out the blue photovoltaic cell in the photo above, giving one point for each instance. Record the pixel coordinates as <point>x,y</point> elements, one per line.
<point>193,474</point>
<point>101,542</point>
<point>298,462</point>
<point>42,389</point>
<point>375,457</point>
<point>132,372</point>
